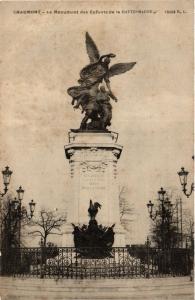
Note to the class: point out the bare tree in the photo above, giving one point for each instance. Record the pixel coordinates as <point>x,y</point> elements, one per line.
<point>11,223</point>
<point>188,226</point>
<point>47,223</point>
<point>126,209</point>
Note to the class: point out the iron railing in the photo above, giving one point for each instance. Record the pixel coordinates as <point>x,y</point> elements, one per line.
<point>121,262</point>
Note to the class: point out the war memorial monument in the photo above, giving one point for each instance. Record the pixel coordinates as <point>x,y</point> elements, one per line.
<point>93,238</point>
<point>93,153</point>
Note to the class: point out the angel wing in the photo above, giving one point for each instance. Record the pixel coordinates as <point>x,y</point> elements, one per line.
<point>92,49</point>
<point>120,68</point>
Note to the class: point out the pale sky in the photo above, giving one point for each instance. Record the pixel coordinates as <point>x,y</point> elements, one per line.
<point>41,56</point>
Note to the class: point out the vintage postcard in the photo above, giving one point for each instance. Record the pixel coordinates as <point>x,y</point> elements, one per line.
<point>97,137</point>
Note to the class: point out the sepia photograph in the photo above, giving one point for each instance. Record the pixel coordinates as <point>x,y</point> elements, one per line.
<point>97,150</point>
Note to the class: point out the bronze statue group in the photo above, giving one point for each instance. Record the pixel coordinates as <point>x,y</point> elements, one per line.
<point>91,95</point>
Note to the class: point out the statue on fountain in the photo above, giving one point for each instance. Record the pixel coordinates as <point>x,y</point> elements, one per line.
<point>93,100</point>
<point>93,241</point>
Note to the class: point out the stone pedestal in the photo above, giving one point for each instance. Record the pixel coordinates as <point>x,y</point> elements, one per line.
<point>93,160</point>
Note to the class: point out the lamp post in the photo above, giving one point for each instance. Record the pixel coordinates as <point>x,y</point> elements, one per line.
<point>183,175</point>
<point>161,198</point>
<point>20,212</point>
<point>6,179</point>
<point>165,213</point>
<point>15,214</point>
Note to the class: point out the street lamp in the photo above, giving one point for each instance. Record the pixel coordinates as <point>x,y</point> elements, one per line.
<point>183,175</point>
<point>165,212</point>
<point>150,206</point>
<point>20,193</point>
<point>21,210</point>
<point>161,194</point>
<point>32,207</point>
<point>17,212</point>
<point>6,179</point>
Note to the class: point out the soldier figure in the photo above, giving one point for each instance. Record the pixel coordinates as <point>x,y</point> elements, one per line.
<point>103,99</point>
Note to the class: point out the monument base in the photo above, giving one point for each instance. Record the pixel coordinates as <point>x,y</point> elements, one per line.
<point>119,237</point>
<point>68,238</point>
<point>93,159</point>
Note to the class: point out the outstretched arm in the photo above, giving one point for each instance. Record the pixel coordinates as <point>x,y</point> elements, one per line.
<point>113,96</point>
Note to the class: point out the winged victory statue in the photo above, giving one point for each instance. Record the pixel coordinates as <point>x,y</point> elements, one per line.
<point>93,93</point>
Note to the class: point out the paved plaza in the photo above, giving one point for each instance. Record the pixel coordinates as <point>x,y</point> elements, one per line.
<point>180,288</point>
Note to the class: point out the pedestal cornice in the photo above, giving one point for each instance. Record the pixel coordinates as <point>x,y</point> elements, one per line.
<point>69,149</point>
<point>93,141</point>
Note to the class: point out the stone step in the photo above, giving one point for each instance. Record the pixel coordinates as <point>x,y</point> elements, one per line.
<point>96,296</point>
<point>153,289</point>
<point>99,283</point>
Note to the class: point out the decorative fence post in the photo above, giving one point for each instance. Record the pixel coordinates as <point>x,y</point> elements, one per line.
<point>76,262</point>
<point>190,259</point>
<point>148,257</point>
<point>42,260</point>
